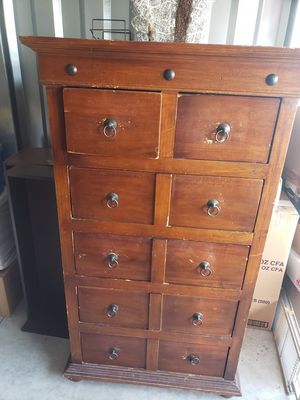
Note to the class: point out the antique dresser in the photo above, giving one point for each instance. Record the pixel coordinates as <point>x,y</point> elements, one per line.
<point>167,159</point>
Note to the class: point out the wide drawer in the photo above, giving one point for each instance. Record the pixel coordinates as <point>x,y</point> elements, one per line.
<point>113,350</point>
<point>215,202</point>
<point>205,264</point>
<point>232,128</point>
<point>112,256</point>
<point>198,315</point>
<point>200,70</point>
<point>192,358</point>
<point>112,195</point>
<point>112,123</point>
<point>113,307</point>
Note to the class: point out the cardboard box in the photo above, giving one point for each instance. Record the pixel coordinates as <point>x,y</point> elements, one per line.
<point>273,265</point>
<point>293,268</point>
<point>296,241</point>
<point>10,289</point>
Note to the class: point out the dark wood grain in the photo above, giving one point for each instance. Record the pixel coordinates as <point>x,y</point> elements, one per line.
<point>96,349</point>
<point>155,335</point>
<point>238,198</point>
<point>169,165</point>
<point>137,115</point>
<point>164,199</point>
<point>95,303</point>
<point>77,372</point>
<point>227,263</point>
<point>201,67</point>
<point>89,190</point>
<point>174,357</point>
<point>198,117</point>
<point>217,315</point>
<point>155,287</point>
<point>279,150</point>
<point>91,251</point>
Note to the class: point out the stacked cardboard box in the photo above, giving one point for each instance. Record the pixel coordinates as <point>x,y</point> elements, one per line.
<point>273,265</point>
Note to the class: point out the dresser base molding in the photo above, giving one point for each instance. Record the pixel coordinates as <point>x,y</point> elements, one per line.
<point>77,372</point>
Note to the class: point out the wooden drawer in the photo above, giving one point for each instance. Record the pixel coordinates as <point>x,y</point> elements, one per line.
<point>192,358</point>
<point>205,264</point>
<point>113,350</point>
<point>113,307</point>
<point>198,315</point>
<point>92,194</point>
<point>90,113</point>
<point>112,256</point>
<point>238,201</point>
<point>200,117</point>
<point>194,70</point>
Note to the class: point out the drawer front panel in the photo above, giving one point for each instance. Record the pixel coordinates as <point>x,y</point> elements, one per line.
<point>192,358</point>
<point>112,123</point>
<point>113,307</point>
<point>232,128</point>
<point>231,74</point>
<point>113,350</point>
<point>112,256</point>
<point>112,195</point>
<point>205,264</point>
<point>198,315</point>
<point>236,206</point>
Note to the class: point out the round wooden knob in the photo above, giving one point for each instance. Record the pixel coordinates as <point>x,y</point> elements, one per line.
<point>169,74</point>
<point>272,79</point>
<point>71,69</point>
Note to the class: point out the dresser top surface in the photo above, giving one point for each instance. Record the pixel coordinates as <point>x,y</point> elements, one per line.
<point>43,44</point>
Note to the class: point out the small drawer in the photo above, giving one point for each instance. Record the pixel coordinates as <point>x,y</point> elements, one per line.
<point>206,264</point>
<point>112,123</point>
<point>192,358</point>
<point>113,307</point>
<point>215,202</point>
<point>198,315</point>
<point>225,127</point>
<point>112,195</point>
<point>112,256</point>
<point>113,350</point>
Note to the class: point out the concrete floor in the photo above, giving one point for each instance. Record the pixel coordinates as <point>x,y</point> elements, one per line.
<point>31,368</point>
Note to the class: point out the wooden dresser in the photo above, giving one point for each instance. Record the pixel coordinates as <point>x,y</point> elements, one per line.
<point>167,159</point>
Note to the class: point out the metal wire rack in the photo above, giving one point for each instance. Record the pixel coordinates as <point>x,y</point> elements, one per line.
<point>99,29</point>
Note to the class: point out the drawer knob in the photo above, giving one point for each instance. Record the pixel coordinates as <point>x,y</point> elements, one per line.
<point>114,353</point>
<point>169,74</point>
<point>205,268</point>
<point>112,200</point>
<point>110,128</point>
<point>197,319</point>
<point>112,260</point>
<point>272,79</point>
<point>213,208</point>
<point>222,132</point>
<point>71,69</point>
<point>112,310</point>
<point>193,359</point>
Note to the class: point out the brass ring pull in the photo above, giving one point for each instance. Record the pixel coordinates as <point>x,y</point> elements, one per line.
<point>197,319</point>
<point>112,310</point>
<point>193,359</point>
<point>112,200</point>
<point>222,132</point>
<point>112,260</point>
<point>205,268</point>
<point>110,128</point>
<point>114,353</point>
<point>213,208</point>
